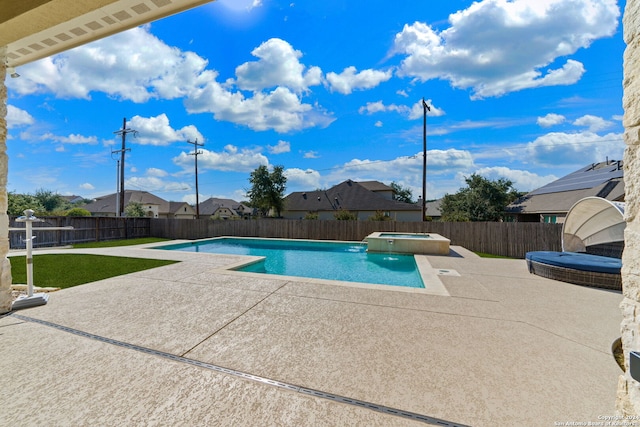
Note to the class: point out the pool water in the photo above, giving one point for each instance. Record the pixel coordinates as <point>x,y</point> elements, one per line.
<point>321,260</point>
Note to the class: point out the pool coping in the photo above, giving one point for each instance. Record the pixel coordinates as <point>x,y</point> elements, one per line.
<point>432,283</point>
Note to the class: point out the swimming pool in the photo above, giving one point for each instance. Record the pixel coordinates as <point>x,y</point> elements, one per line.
<point>342,261</point>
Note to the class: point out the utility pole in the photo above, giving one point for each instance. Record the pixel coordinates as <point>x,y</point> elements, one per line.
<point>117,186</point>
<point>122,132</point>
<point>195,155</point>
<point>425,108</point>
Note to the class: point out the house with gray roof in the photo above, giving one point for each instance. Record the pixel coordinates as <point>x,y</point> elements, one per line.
<point>350,196</point>
<point>432,209</point>
<point>551,202</point>
<point>181,210</point>
<point>154,206</point>
<point>224,209</point>
<point>379,188</point>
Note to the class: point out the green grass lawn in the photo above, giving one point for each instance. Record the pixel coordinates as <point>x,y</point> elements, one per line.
<point>484,255</point>
<point>67,270</point>
<point>112,243</point>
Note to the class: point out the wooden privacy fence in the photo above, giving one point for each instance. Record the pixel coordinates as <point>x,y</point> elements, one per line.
<point>85,229</point>
<point>512,239</point>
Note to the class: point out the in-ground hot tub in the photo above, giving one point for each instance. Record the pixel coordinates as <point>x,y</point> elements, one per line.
<point>408,243</point>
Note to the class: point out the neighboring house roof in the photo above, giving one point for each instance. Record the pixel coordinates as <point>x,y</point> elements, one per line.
<point>349,195</point>
<point>73,199</point>
<point>108,203</point>
<point>375,186</point>
<point>603,179</point>
<point>432,208</point>
<point>178,207</point>
<point>212,204</point>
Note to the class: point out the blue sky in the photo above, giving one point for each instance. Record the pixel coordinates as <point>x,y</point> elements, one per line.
<point>528,90</point>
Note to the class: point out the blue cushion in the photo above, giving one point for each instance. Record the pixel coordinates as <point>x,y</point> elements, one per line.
<point>577,261</point>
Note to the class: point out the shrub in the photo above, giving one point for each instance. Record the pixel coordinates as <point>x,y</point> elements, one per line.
<point>311,215</point>
<point>134,210</point>
<point>345,215</point>
<point>78,212</point>
<point>379,216</point>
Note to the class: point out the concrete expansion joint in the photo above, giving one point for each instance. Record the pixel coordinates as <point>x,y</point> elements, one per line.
<point>234,319</point>
<point>562,337</point>
<point>247,376</point>
<point>419,310</point>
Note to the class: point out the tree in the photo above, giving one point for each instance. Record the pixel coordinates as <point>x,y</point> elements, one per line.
<point>134,210</point>
<point>49,200</point>
<point>402,194</point>
<point>18,203</point>
<point>481,200</point>
<point>267,189</point>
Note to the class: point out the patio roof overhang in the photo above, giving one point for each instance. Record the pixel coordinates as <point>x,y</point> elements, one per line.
<point>34,29</point>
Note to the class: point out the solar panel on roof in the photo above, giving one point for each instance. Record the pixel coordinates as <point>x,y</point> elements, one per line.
<point>588,177</point>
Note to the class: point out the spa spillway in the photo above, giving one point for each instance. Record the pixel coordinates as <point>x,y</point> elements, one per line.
<point>408,243</point>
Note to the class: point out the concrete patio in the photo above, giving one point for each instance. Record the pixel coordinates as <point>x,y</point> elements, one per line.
<point>194,344</point>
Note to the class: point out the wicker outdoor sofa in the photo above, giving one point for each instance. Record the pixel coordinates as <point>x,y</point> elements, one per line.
<point>577,268</point>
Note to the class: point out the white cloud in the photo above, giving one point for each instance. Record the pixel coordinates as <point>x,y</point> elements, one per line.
<point>280,110</point>
<point>593,123</point>
<point>149,69</point>
<point>86,186</point>
<point>550,119</point>
<point>230,159</point>
<point>499,46</point>
<point>157,131</point>
<point>71,139</point>
<point>191,198</point>
<point>416,111</point>
<point>378,124</point>
<point>379,107</point>
<point>406,167</point>
<point>303,179</point>
<point>522,180</point>
<point>350,79</point>
<point>479,124</point>
<point>278,65</point>
<point>311,155</point>
<point>446,161</point>
<point>158,173</point>
<point>406,170</point>
<point>153,70</point>
<point>574,149</point>
<point>281,147</point>
<point>17,117</point>
<point>153,183</point>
